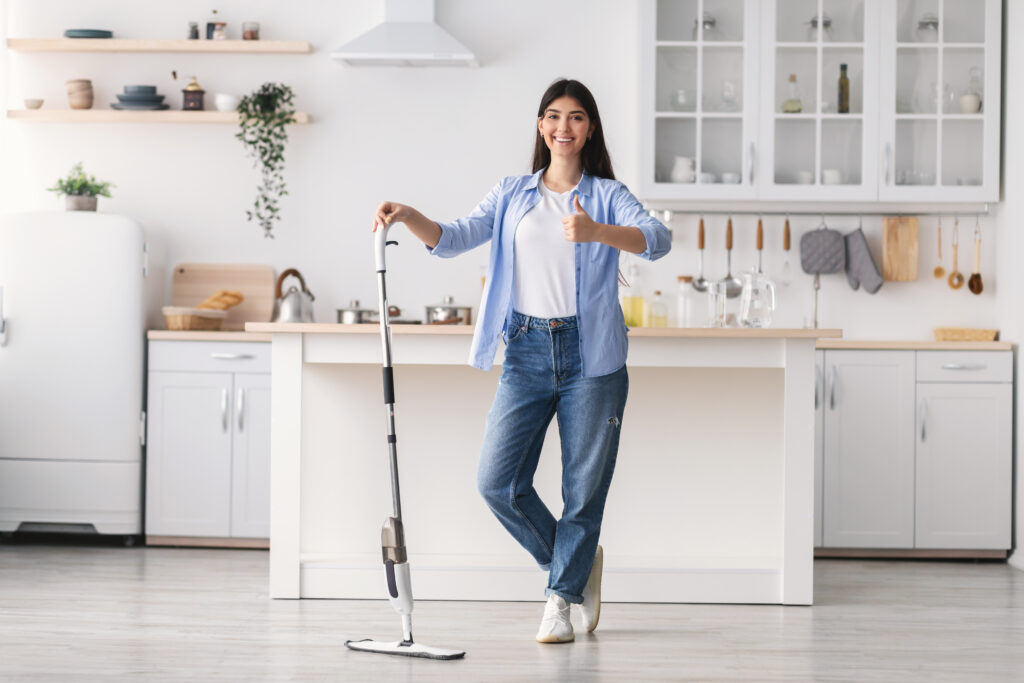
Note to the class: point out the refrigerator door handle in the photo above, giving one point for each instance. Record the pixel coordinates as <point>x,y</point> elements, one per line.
<point>224,410</point>
<point>3,321</point>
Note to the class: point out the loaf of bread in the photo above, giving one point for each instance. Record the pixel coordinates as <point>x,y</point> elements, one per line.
<point>222,300</point>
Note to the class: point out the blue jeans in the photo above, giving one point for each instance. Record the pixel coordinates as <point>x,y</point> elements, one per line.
<point>541,378</point>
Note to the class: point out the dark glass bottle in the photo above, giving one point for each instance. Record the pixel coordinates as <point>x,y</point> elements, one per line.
<point>844,91</point>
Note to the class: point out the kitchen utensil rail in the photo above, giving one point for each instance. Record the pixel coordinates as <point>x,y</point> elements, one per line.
<point>832,214</point>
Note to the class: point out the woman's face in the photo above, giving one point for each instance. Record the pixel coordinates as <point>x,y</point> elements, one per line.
<point>565,127</point>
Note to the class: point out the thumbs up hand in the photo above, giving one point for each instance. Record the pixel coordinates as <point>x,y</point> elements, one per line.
<point>579,226</point>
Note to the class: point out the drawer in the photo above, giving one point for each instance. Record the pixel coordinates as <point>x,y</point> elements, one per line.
<point>965,366</point>
<point>209,356</point>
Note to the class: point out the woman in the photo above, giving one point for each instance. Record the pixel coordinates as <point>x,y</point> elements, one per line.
<point>552,296</point>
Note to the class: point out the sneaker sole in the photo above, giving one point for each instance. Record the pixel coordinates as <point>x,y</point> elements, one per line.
<point>595,590</point>
<point>556,639</point>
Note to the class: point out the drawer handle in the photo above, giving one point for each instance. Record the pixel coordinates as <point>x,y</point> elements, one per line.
<point>964,366</point>
<point>232,356</point>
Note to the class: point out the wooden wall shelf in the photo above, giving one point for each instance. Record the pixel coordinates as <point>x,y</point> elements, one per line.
<point>116,116</point>
<point>132,45</point>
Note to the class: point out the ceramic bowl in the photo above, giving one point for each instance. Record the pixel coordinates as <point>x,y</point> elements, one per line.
<point>225,101</point>
<point>33,103</point>
<point>140,89</point>
<point>731,178</point>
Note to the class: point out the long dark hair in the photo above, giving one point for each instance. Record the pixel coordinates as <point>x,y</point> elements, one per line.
<point>595,157</point>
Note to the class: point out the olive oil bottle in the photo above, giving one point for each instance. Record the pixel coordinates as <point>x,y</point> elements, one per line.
<point>844,91</point>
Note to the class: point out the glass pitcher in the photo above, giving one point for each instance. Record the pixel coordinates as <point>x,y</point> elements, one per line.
<point>757,301</point>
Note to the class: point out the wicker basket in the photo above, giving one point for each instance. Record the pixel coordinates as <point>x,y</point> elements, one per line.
<point>187,318</point>
<point>965,334</point>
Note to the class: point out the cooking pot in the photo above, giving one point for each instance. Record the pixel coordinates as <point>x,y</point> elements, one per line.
<point>296,305</point>
<point>447,313</point>
<point>353,315</point>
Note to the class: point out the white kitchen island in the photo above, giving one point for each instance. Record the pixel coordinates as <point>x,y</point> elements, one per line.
<point>712,499</point>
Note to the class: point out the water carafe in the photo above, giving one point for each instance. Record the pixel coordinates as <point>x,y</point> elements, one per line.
<point>757,301</point>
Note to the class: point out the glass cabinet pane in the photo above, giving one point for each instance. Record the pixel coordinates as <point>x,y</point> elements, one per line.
<point>832,61</point>
<point>917,21</point>
<point>677,20</point>
<point>675,79</point>
<point>964,80</point>
<point>795,21</point>
<point>794,152</point>
<point>841,144</point>
<point>721,151</point>
<point>917,75</point>
<point>844,21</point>
<point>796,66</point>
<point>915,155</point>
<point>964,21</point>
<point>723,20</point>
<point>962,152</point>
<point>675,144</point>
<point>723,80</point>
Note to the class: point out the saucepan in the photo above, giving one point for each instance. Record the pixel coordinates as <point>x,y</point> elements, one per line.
<point>447,313</point>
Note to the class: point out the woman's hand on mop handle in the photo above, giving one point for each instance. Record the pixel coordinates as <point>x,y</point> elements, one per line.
<point>419,225</point>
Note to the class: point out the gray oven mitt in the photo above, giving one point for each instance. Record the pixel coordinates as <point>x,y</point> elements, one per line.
<point>822,251</point>
<point>860,265</point>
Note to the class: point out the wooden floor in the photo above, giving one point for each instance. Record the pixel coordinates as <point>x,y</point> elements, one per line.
<point>79,612</point>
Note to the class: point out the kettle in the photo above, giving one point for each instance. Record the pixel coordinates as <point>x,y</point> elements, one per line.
<point>296,306</point>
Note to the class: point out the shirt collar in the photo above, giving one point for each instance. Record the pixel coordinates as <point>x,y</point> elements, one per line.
<point>584,185</point>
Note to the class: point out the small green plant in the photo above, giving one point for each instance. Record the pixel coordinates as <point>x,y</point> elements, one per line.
<point>77,183</point>
<point>263,116</point>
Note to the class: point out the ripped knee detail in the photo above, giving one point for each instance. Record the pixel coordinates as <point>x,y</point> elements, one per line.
<point>614,421</point>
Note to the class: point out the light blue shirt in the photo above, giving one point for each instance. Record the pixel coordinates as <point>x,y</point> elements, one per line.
<point>602,330</point>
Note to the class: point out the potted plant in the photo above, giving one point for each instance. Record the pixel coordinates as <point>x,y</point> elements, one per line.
<point>263,115</point>
<point>80,189</point>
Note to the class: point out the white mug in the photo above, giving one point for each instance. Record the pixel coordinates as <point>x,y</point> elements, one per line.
<point>970,103</point>
<point>830,176</point>
<point>682,170</point>
<point>804,177</point>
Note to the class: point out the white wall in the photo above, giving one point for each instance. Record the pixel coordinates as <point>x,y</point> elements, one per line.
<point>435,138</point>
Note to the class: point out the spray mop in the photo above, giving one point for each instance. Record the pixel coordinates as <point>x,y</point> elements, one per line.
<point>392,535</point>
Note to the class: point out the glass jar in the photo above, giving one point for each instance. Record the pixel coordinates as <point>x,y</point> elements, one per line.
<point>685,312</point>
<point>657,312</point>
<point>928,29</point>
<point>250,30</point>
<point>822,27</point>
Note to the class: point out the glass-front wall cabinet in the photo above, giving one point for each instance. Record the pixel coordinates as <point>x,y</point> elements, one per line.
<point>702,91</point>
<point>820,99</point>
<point>943,93</point>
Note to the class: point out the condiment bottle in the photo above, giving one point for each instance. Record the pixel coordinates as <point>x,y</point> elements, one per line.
<point>658,312</point>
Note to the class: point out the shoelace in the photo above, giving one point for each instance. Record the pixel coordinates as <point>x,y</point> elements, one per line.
<point>552,612</point>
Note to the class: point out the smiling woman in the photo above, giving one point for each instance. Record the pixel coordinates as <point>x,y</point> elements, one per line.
<point>551,295</point>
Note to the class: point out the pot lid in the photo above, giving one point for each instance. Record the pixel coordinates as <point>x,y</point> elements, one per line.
<point>449,302</point>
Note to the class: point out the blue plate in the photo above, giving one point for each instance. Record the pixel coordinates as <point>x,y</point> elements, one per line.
<point>87,33</point>
<point>140,98</point>
<point>138,106</point>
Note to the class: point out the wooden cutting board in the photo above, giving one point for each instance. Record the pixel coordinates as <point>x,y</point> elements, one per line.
<point>193,282</point>
<point>899,248</point>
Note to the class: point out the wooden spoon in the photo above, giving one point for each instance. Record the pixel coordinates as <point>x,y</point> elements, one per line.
<point>974,282</point>
<point>939,271</point>
<point>760,243</point>
<point>956,278</point>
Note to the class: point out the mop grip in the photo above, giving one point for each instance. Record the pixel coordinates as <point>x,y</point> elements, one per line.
<point>389,385</point>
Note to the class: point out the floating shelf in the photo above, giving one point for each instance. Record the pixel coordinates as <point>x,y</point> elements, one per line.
<point>130,45</point>
<point>116,116</point>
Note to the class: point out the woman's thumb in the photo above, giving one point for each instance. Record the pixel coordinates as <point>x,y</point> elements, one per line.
<point>576,203</point>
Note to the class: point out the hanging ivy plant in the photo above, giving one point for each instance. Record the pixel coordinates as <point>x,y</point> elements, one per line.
<point>263,116</point>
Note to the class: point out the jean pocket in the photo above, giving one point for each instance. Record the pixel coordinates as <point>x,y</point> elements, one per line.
<point>513,332</point>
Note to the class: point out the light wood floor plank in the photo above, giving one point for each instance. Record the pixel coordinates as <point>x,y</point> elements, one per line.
<point>87,613</point>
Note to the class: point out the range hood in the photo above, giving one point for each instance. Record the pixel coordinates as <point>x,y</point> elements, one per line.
<point>408,37</point>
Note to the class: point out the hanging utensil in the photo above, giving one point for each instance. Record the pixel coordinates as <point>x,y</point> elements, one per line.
<point>760,243</point>
<point>956,278</point>
<point>700,284</point>
<point>939,271</point>
<point>733,285</point>
<point>974,282</point>
<point>787,270</point>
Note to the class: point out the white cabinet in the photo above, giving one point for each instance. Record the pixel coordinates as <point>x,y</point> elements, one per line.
<point>819,443</point>
<point>868,499</point>
<point>915,450</point>
<point>715,75</point>
<point>208,443</point>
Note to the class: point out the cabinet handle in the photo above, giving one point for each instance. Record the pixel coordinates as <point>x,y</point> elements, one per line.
<point>232,356</point>
<point>964,366</point>
<point>817,383</point>
<point>924,417</point>
<point>888,162</point>
<point>750,157</point>
<point>240,407</point>
<point>224,410</point>
<point>832,393</point>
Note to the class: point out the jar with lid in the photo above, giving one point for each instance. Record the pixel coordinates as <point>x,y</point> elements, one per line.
<point>686,306</point>
<point>250,30</point>
<point>632,296</point>
<point>657,311</point>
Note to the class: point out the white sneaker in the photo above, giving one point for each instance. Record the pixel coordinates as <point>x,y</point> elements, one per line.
<point>555,627</point>
<point>591,607</point>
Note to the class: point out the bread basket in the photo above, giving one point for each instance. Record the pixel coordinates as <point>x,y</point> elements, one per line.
<point>188,318</point>
<point>965,334</point>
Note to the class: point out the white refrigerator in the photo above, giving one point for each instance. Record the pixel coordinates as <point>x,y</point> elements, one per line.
<point>72,338</point>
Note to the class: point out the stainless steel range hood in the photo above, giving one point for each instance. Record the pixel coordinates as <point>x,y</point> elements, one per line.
<point>408,37</point>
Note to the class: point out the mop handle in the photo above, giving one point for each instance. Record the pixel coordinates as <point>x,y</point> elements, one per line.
<point>380,245</point>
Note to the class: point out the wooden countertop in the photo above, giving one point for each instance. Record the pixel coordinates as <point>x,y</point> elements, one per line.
<point>197,335</point>
<point>914,345</point>
<point>466,330</point>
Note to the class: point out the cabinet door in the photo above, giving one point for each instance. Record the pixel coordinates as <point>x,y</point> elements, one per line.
<point>699,84</point>
<point>188,454</point>
<point>819,152</point>
<point>250,486</point>
<point>940,99</point>
<point>964,466</point>
<point>819,443</point>
<point>869,449</point>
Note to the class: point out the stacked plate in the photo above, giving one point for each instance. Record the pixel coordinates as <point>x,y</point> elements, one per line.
<point>87,33</point>
<point>140,98</point>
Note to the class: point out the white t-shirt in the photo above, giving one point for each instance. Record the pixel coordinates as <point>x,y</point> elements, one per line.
<point>544,279</point>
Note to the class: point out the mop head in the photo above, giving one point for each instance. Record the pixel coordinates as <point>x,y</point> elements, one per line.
<point>404,648</point>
